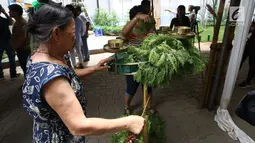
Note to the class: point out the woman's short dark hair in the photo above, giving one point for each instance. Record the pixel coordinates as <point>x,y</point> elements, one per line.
<point>78,8</point>
<point>45,19</point>
<point>146,3</point>
<point>135,10</point>
<point>182,7</point>
<point>70,7</point>
<point>16,8</point>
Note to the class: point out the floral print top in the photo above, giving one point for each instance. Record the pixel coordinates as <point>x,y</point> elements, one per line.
<point>48,126</point>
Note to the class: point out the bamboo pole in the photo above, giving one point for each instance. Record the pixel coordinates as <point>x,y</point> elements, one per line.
<point>210,67</point>
<point>145,102</point>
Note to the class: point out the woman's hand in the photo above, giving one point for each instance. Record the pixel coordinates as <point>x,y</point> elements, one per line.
<point>136,124</point>
<point>101,65</point>
<point>144,17</point>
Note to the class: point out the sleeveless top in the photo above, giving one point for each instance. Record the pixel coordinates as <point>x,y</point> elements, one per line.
<point>48,126</point>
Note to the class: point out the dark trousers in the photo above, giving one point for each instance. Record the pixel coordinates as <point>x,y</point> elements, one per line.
<point>84,48</point>
<point>6,46</point>
<point>23,55</point>
<point>132,86</point>
<point>249,51</point>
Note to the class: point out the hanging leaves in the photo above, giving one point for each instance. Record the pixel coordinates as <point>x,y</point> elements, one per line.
<point>166,58</point>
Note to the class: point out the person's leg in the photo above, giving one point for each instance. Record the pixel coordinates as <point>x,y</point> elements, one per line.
<point>245,55</point>
<point>251,72</point>
<point>131,89</point>
<point>85,49</point>
<point>73,57</point>
<point>80,57</point>
<point>1,56</point>
<point>11,56</point>
<point>23,56</point>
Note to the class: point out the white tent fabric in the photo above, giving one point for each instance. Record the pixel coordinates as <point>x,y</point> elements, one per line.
<point>226,123</point>
<point>222,117</point>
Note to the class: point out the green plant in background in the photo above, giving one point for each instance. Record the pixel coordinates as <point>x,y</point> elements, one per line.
<point>127,19</point>
<point>108,22</point>
<point>114,19</point>
<point>102,18</point>
<point>112,30</point>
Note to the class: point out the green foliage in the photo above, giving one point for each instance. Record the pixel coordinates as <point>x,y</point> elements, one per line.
<point>163,59</point>
<point>155,127</point>
<point>102,18</point>
<point>112,30</point>
<point>114,19</point>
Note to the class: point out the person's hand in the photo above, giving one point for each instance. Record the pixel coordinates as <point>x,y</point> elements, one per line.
<point>136,124</point>
<point>101,65</point>
<point>144,17</point>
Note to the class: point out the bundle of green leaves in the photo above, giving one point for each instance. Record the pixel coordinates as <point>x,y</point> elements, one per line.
<point>155,126</point>
<point>165,59</point>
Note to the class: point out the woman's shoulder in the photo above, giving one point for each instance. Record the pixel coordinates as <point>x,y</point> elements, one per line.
<point>45,68</point>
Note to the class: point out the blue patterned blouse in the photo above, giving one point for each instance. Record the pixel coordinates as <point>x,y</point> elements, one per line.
<point>48,126</point>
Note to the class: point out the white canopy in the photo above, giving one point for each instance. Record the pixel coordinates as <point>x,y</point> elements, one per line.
<point>222,117</point>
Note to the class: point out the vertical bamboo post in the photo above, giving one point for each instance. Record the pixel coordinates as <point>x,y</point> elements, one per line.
<point>145,129</point>
<point>210,67</point>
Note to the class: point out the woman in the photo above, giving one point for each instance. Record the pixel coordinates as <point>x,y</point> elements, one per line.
<point>192,18</point>
<point>137,14</point>
<point>53,93</point>
<point>181,19</point>
<point>79,32</point>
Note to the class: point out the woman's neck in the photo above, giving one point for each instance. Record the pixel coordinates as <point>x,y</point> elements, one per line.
<point>53,54</point>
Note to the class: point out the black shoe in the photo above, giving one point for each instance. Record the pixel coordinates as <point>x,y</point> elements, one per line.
<point>244,84</point>
<point>85,60</point>
<point>17,75</point>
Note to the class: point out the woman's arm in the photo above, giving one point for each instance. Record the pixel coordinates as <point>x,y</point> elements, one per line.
<point>82,73</point>
<point>66,104</point>
<point>131,24</point>
<point>172,24</point>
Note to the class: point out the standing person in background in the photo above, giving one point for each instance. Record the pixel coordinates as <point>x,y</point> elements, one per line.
<point>192,17</point>
<point>20,36</point>
<point>181,19</point>
<point>86,24</point>
<point>139,16</point>
<point>5,44</point>
<point>79,32</point>
<point>249,51</point>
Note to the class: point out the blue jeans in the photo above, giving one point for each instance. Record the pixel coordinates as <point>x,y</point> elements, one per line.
<point>11,56</point>
<point>84,48</point>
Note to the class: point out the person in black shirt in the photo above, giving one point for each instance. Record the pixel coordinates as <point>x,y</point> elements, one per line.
<point>5,44</point>
<point>181,19</point>
<point>249,52</point>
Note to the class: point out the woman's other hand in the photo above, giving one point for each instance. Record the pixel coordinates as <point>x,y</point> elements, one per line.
<point>136,124</point>
<point>102,64</point>
<point>144,17</point>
